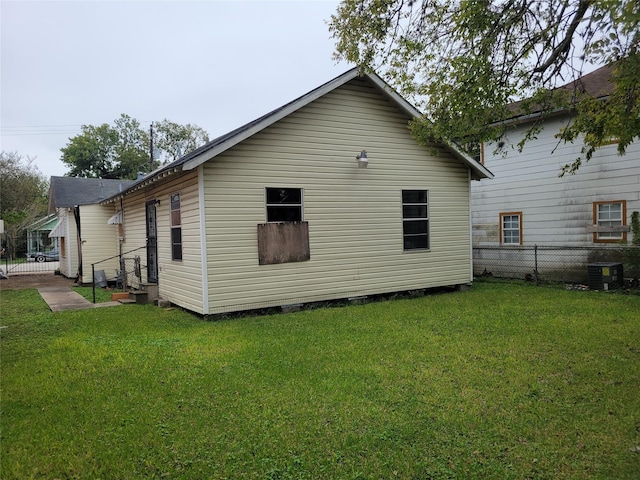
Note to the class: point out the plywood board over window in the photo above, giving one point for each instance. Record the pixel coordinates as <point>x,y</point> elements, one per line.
<point>283,242</point>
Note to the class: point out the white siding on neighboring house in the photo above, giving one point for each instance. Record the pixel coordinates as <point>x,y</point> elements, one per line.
<point>354,215</point>
<point>555,211</point>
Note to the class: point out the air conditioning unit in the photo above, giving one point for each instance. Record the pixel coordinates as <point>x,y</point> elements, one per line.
<point>604,276</point>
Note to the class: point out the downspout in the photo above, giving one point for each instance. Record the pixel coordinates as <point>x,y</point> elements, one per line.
<point>76,215</point>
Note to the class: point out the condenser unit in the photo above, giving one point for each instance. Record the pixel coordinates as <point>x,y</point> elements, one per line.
<point>604,276</point>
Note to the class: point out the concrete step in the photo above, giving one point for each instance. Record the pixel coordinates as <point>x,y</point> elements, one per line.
<point>139,296</point>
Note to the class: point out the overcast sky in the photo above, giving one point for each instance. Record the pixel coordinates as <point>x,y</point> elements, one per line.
<point>211,63</point>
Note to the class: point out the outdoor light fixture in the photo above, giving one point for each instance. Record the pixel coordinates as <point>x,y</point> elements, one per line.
<point>362,159</point>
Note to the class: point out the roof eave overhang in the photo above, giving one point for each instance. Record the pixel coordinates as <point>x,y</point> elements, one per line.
<point>531,117</point>
<point>478,171</point>
<point>271,119</point>
<point>146,181</point>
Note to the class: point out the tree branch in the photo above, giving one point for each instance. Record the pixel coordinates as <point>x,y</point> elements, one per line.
<point>564,45</point>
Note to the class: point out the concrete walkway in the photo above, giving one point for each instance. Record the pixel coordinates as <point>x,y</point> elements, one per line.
<point>63,298</point>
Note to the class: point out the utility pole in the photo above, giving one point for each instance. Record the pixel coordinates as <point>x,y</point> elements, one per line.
<point>151,148</point>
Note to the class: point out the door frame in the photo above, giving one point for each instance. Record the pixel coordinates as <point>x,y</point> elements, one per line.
<point>151,223</point>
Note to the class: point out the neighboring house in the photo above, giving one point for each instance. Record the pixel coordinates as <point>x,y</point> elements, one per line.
<point>84,236</point>
<point>281,211</point>
<point>38,239</point>
<point>529,204</point>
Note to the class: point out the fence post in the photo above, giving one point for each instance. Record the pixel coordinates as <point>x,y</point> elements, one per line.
<point>93,280</point>
<point>535,256</point>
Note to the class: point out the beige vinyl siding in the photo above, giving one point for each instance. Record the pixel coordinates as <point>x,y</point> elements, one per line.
<point>68,253</point>
<point>134,226</point>
<point>180,282</point>
<point>354,215</point>
<point>99,241</point>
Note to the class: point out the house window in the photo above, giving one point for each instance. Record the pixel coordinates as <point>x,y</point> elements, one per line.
<point>609,217</point>
<point>475,150</point>
<point>176,228</point>
<point>610,140</point>
<point>511,228</point>
<point>415,219</point>
<point>284,204</point>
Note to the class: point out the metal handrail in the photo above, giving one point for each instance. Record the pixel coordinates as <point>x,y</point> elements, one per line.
<point>93,268</point>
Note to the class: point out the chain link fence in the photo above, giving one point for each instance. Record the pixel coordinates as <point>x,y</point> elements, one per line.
<point>130,273</point>
<point>553,264</point>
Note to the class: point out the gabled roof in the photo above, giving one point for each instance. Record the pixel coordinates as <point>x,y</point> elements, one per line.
<point>66,192</point>
<point>217,146</point>
<point>44,224</point>
<point>598,84</point>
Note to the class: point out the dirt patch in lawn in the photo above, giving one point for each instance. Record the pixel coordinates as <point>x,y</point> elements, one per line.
<point>22,282</point>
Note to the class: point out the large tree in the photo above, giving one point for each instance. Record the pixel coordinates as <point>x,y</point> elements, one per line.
<point>464,62</point>
<point>23,198</point>
<point>123,150</point>
<point>174,140</point>
<point>106,151</point>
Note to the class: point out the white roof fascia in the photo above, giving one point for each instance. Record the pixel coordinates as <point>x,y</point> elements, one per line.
<point>402,103</point>
<point>271,119</point>
<point>481,170</point>
<point>474,165</point>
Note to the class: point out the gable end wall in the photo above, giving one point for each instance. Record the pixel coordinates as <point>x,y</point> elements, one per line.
<point>354,215</point>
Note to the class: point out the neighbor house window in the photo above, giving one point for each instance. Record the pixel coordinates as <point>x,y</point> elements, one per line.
<point>176,228</point>
<point>475,150</point>
<point>612,216</point>
<point>610,140</point>
<point>415,219</point>
<point>511,228</point>
<point>284,204</point>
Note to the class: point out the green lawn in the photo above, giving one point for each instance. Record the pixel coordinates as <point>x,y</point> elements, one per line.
<point>102,294</point>
<point>503,381</point>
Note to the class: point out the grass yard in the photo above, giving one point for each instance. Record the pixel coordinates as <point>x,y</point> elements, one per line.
<point>505,381</point>
<point>102,294</point>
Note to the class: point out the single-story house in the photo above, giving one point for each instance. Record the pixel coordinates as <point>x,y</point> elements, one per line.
<point>82,229</point>
<point>38,239</point>
<point>326,197</point>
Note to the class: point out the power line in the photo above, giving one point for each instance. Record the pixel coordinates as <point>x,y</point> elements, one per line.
<point>43,126</point>
<point>56,129</point>
<point>31,130</point>
<point>18,134</point>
